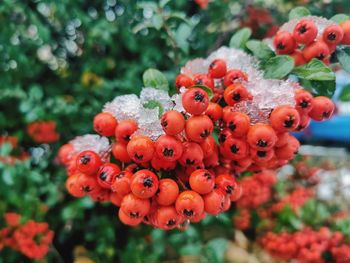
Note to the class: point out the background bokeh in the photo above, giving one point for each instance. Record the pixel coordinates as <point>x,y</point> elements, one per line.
<point>62,60</point>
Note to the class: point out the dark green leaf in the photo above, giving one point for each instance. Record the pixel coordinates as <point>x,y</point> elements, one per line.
<point>181,36</point>
<point>345,93</point>
<point>206,89</point>
<point>191,250</point>
<point>240,38</point>
<point>157,21</point>
<point>343,55</point>
<point>215,250</point>
<point>319,88</point>
<point>260,49</point>
<point>298,12</point>
<point>314,70</point>
<point>340,18</point>
<point>278,67</point>
<point>155,79</point>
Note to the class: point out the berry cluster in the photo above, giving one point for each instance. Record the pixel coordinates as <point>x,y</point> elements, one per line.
<point>166,182</point>
<point>257,189</point>
<point>309,40</point>
<point>305,245</point>
<point>294,200</point>
<point>32,239</point>
<point>243,144</point>
<point>43,131</point>
<point>241,220</point>
<point>182,172</point>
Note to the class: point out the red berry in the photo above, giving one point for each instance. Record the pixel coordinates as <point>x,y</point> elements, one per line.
<point>208,146</point>
<point>203,79</point>
<point>120,152</point>
<point>322,109</point>
<point>183,81</point>
<point>234,148</point>
<point>236,93</point>
<point>304,122</point>
<point>282,139</point>
<point>144,184</point>
<point>214,202</point>
<point>121,183</point>
<point>318,50</point>
<point>298,58</point>
<point>234,76</point>
<point>303,101</point>
<point>116,199</point>
<point>105,123</point>
<point>284,43</point>
<point>192,154</point>
<point>333,34</point>
<point>261,136</point>
<point>195,101</point>
<point>224,134</point>
<point>72,186</point>
<point>305,31</point>
<point>202,181</point>
<point>168,192</point>
<point>88,184</point>
<point>65,153</point>
<point>102,195</point>
<point>346,29</point>
<point>106,174</point>
<point>241,165</point>
<point>173,122</point>
<point>162,165</point>
<point>217,69</point>
<point>124,131</point>
<point>140,149</point>
<point>238,123</point>
<point>189,204</point>
<point>214,111</point>
<point>88,162</point>
<point>258,155</point>
<point>135,207</point>
<point>128,220</point>
<point>167,218</point>
<point>284,118</point>
<point>168,148</point>
<point>226,182</point>
<point>288,151</point>
<point>237,193</point>
<point>198,128</point>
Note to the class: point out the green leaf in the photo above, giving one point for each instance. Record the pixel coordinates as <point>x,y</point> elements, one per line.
<point>298,12</point>
<point>319,88</point>
<point>314,70</point>
<point>260,49</point>
<point>345,93</point>
<point>215,250</point>
<point>343,56</point>
<point>152,104</point>
<point>340,18</point>
<point>181,36</point>
<point>206,89</point>
<point>240,38</point>
<point>191,250</point>
<point>163,3</point>
<point>155,79</point>
<point>278,67</point>
<point>157,21</point>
